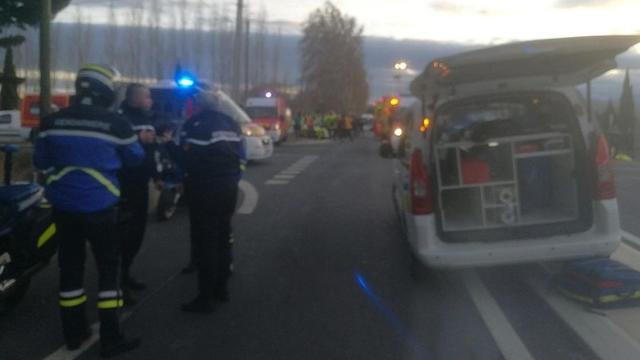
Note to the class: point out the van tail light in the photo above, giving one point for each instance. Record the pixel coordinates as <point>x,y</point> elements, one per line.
<point>605,181</point>
<point>420,186</point>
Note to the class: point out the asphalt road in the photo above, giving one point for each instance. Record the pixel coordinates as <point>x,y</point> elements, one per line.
<point>627,181</point>
<point>322,272</point>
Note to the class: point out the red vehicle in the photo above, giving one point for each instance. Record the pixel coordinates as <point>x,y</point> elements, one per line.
<point>30,108</point>
<point>270,112</point>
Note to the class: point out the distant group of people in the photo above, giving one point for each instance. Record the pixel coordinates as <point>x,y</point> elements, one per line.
<point>98,165</point>
<point>327,126</point>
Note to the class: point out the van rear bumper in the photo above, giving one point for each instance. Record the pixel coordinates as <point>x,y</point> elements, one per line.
<point>601,239</point>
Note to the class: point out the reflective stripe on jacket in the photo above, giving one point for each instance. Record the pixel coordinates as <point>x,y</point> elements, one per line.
<point>81,148</point>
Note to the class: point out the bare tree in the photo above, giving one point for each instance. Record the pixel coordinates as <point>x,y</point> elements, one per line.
<point>333,73</point>
<point>184,47</point>
<point>56,53</point>
<point>199,50</point>
<point>111,40</point>
<point>82,36</point>
<point>135,42</point>
<point>225,48</point>
<point>276,50</point>
<point>214,19</point>
<point>156,43</point>
<point>172,39</point>
<point>259,52</point>
<point>246,55</point>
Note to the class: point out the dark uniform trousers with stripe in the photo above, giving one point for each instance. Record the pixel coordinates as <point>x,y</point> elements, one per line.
<point>211,207</point>
<point>81,148</point>
<point>99,230</point>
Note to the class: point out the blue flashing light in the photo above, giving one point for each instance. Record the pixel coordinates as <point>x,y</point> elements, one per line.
<point>186,82</point>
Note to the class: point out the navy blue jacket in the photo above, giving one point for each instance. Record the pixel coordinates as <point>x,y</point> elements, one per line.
<point>81,149</point>
<point>136,178</point>
<point>213,148</point>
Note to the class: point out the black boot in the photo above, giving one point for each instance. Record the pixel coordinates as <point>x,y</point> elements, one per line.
<point>120,345</point>
<point>199,305</point>
<point>74,325</point>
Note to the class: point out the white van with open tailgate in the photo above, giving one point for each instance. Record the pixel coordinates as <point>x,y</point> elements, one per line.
<point>504,162</point>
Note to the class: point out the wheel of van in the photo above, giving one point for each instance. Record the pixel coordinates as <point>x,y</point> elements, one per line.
<point>8,303</point>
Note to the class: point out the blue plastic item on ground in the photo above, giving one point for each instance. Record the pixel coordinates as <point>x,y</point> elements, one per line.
<point>599,282</point>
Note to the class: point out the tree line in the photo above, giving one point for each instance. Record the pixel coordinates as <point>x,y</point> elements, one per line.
<point>147,41</point>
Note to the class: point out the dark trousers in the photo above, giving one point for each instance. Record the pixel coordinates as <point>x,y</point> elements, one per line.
<point>99,229</point>
<point>211,207</point>
<point>134,210</point>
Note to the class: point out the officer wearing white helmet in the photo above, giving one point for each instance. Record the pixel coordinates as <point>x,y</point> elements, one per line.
<point>80,149</point>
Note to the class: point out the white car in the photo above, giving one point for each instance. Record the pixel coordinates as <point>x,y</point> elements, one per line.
<point>258,145</point>
<point>504,162</point>
<point>171,101</point>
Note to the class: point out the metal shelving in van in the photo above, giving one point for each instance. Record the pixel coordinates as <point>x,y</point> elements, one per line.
<point>507,181</point>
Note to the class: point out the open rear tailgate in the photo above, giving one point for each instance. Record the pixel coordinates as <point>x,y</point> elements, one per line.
<point>552,62</point>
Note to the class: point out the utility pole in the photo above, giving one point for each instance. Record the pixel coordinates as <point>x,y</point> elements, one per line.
<point>45,57</point>
<point>246,57</point>
<point>237,52</point>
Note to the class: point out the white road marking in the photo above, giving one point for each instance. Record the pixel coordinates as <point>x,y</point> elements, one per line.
<point>277,182</point>
<point>63,354</point>
<point>602,335</point>
<point>296,168</point>
<point>630,238</point>
<point>284,177</point>
<point>508,341</point>
<point>251,197</point>
<point>292,171</point>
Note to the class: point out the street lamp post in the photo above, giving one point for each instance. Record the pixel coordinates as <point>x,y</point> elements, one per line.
<point>45,57</point>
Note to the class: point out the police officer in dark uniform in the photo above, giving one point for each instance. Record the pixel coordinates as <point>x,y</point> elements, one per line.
<point>134,204</point>
<point>213,154</point>
<point>81,149</point>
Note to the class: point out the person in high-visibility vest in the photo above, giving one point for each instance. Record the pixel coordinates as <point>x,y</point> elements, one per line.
<point>348,126</point>
<point>80,149</point>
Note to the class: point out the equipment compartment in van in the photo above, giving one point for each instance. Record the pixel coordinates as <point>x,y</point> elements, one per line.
<point>509,163</point>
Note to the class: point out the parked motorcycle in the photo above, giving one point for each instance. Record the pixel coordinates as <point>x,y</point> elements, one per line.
<point>27,234</point>
<point>171,178</point>
<point>169,199</point>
